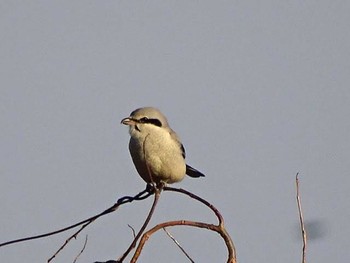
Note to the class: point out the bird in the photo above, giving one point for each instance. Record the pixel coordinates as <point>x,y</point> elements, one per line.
<point>156,150</point>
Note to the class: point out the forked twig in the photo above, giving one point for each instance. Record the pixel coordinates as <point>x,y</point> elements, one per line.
<point>228,241</point>
<point>301,219</point>
<point>67,241</point>
<point>133,244</point>
<point>220,229</point>
<point>123,200</point>
<point>140,196</point>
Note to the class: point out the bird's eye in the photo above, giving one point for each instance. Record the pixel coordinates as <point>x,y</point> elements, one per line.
<point>155,122</point>
<point>144,119</point>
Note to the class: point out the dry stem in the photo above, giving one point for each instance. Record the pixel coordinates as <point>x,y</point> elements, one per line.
<point>301,219</point>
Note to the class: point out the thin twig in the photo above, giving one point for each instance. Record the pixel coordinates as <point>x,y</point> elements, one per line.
<point>178,244</point>
<point>133,230</point>
<point>301,218</point>
<point>133,244</point>
<point>82,250</point>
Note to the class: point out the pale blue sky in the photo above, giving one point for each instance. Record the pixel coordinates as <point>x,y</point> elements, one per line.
<point>257,91</point>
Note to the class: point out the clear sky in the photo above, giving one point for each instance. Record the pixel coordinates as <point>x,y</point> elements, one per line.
<point>257,91</point>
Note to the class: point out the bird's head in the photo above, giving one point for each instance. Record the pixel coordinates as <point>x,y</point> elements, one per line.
<point>145,117</point>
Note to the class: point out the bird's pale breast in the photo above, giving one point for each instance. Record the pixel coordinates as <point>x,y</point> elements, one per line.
<point>157,153</point>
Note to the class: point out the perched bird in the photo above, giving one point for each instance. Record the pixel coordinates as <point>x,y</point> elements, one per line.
<point>156,150</point>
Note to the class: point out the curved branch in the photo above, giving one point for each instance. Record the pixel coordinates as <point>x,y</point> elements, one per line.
<point>226,236</point>
<point>192,195</point>
<point>217,228</point>
<point>220,228</point>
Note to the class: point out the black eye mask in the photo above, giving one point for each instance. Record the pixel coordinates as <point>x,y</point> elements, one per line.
<point>155,122</point>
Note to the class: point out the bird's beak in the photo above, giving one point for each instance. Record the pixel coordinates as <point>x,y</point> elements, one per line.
<point>127,121</point>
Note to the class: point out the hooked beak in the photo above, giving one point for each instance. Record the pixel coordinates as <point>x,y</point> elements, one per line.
<point>128,121</point>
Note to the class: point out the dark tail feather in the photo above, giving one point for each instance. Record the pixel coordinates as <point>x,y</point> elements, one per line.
<point>190,171</point>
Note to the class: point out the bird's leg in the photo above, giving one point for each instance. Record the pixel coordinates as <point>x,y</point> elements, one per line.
<point>160,185</point>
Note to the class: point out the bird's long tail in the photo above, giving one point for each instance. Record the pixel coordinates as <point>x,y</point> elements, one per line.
<point>190,171</point>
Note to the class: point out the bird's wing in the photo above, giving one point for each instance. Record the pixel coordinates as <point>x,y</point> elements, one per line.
<point>177,139</point>
<point>190,171</point>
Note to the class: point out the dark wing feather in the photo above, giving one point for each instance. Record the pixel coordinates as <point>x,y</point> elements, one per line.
<point>183,151</point>
<point>176,138</point>
<point>190,171</point>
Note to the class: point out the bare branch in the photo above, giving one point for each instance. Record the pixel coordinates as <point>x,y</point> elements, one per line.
<point>220,229</point>
<point>150,189</point>
<point>148,234</point>
<point>224,234</point>
<point>301,218</point>
<point>123,200</point>
<point>178,244</point>
<point>185,192</point>
<point>68,240</point>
